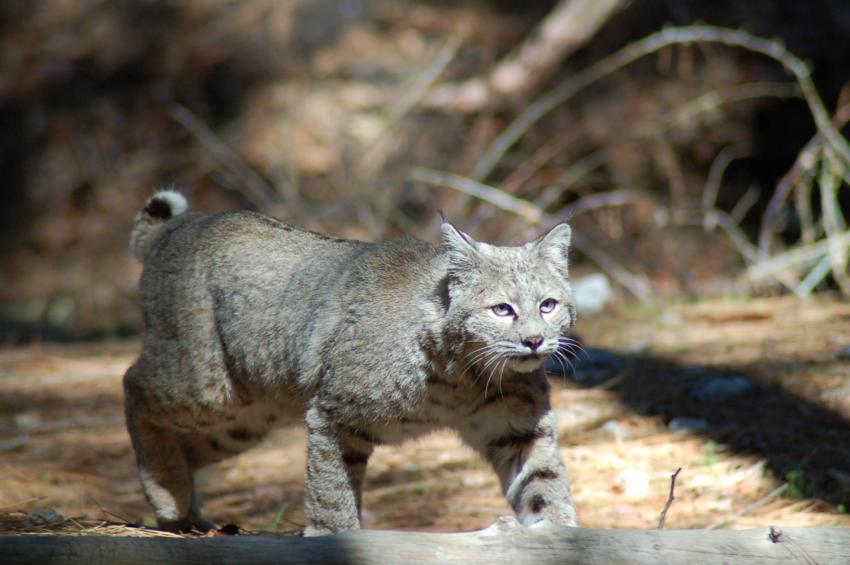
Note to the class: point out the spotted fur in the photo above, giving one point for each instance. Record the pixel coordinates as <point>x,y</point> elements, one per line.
<point>248,320</point>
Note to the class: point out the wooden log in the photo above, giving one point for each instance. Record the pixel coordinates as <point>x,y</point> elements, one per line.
<point>503,543</point>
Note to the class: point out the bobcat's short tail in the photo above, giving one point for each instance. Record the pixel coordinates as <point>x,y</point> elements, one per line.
<point>161,207</point>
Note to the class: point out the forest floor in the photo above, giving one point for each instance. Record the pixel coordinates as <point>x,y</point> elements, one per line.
<point>750,398</point>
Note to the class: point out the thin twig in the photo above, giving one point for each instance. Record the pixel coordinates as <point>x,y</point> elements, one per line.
<point>375,155</point>
<point>736,235</point>
<point>15,443</point>
<point>599,200</point>
<point>805,163</point>
<point>17,505</point>
<point>541,157</point>
<point>570,176</point>
<point>669,163</point>
<point>744,204</point>
<point>715,177</point>
<point>799,257</point>
<point>833,220</point>
<point>810,231</point>
<point>670,499</point>
<point>494,196</point>
<point>638,285</point>
<point>770,497</point>
<point>258,191</point>
<point>746,249</point>
<point>815,277</point>
<point>565,181</point>
<point>713,99</point>
<point>108,513</point>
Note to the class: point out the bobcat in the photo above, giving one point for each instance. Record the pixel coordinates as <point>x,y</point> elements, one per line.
<point>248,319</point>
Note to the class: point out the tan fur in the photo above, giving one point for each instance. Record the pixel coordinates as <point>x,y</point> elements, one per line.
<point>248,320</point>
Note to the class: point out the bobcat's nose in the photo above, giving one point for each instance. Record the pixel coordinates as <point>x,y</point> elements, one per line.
<point>533,342</point>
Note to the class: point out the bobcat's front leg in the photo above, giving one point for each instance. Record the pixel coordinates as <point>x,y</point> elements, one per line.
<point>532,472</point>
<point>336,464</point>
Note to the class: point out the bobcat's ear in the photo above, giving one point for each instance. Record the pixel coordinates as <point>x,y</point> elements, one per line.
<point>463,250</point>
<point>555,245</point>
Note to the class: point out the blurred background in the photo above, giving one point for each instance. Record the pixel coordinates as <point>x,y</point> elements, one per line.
<point>705,174</point>
<point>691,171</point>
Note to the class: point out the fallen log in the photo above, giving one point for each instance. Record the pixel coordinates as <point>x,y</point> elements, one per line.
<point>503,543</point>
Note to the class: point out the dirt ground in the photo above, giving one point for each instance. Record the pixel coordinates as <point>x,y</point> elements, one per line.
<point>774,451</point>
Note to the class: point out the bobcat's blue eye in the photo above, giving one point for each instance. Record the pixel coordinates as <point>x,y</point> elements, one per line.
<point>503,310</point>
<point>548,306</point>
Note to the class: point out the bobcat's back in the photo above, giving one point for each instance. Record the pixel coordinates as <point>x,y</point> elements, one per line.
<point>254,306</point>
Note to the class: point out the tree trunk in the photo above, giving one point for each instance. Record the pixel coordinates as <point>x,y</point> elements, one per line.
<point>503,543</point>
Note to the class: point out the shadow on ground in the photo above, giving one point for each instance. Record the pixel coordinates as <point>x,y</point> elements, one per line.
<point>804,443</point>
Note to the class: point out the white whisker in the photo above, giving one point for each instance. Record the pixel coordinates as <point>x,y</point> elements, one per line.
<point>490,361</point>
<point>493,364</point>
<point>487,385</point>
<point>501,372</point>
<point>573,347</point>
<point>477,355</point>
<point>563,359</point>
<point>557,355</point>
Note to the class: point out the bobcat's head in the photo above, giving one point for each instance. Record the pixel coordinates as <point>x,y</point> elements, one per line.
<point>512,305</point>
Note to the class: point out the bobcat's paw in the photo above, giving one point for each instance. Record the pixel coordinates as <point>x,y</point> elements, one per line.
<point>186,525</point>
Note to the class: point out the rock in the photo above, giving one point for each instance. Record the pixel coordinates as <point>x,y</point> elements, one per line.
<point>28,420</point>
<point>844,353</point>
<point>719,388</point>
<point>579,417</point>
<point>633,483</point>
<point>44,517</point>
<point>617,431</point>
<point>669,318</point>
<point>638,347</point>
<point>591,294</point>
<point>839,396</point>
<point>690,424</point>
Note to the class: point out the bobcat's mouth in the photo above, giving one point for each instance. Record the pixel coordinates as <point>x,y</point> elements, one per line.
<point>528,357</point>
<point>526,363</point>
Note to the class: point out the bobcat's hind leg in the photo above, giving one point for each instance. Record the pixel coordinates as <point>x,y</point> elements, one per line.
<point>167,477</point>
<point>165,468</point>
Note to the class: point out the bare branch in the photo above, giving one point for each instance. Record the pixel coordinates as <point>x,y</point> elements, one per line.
<point>651,44</point>
<point>770,497</point>
<point>489,194</point>
<point>715,177</point>
<point>797,258</point>
<point>569,25</point>
<point>376,154</point>
<point>257,190</point>
<point>670,499</point>
<point>803,165</point>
